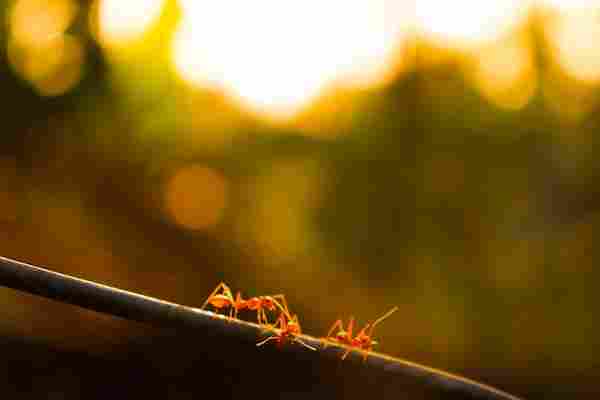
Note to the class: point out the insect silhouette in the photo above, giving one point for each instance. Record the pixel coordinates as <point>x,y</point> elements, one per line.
<point>289,330</point>
<point>363,340</point>
<point>222,298</point>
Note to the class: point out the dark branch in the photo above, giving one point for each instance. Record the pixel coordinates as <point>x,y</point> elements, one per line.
<point>68,289</point>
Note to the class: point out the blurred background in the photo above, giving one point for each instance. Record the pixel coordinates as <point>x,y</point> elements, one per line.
<point>436,155</point>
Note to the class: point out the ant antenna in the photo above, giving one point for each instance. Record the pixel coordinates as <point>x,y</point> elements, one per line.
<point>266,340</point>
<point>380,319</point>
<point>304,344</point>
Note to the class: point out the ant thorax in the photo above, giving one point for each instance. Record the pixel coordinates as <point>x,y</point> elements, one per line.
<point>268,302</point>
<point>253,303</point>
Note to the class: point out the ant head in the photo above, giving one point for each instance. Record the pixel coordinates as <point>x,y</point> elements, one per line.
<point>293,324</point>
<point>227,290</point>
<point>365,340</point>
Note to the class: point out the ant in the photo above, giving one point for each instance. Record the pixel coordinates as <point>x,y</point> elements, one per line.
<point>289,329</point>
<point>362,341</point>
<point>225,299</point>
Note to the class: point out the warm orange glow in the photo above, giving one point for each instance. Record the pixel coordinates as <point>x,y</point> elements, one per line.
<point>196,197</point>
<point>68,70</point>
<point>33,22</point>
<point>575,43</point>
<point>505,74</point>
<point>369,35</point>
<point>122,21</point>
<point>467,22</point>
<point>38,48</point>
<point>276,56</point>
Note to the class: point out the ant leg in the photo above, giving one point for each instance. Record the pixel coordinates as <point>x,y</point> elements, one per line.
<point>279,300</point>
<point>337,324</point>
<point>268,326</point>
<point>231,309</point>
<point>304,344</point>
<point>380,319</point>
<point>365,352</point>
<point>365,355</point>
<point>281,323</point>
<point>346,353</point>
<point>235,305</point>
<point>265,318</point>
<point>266,340</point>
<point>350,327</point>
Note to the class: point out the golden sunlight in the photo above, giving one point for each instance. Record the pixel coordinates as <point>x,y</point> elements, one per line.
<point>120,21</point>
<point>276,56</point>
<point>467,22</point>
<point>570,5</point>
<point>505,74</point>
<point>575,45</point>
<point>367,40</point>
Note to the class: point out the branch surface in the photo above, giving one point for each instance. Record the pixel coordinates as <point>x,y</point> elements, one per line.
<point>133,306</point>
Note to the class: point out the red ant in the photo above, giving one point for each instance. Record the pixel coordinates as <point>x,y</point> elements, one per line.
<point>259,304</point>
<point>289,329</point>
<point>362,341</point>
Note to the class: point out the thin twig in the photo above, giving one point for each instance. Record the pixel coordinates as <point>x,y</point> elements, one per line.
<point>68,289</point>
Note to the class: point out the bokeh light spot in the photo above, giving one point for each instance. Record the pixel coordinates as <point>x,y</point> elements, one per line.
<point>120,22</point>
<point>572,5</point>
<point>276,57</point>
<point>34,22</point>
<point>53,67</point>
<point>575,38</point>
<point>38,48</point>
<point>504,73</point>
<point>196,197</point>
<point>466,22</point>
